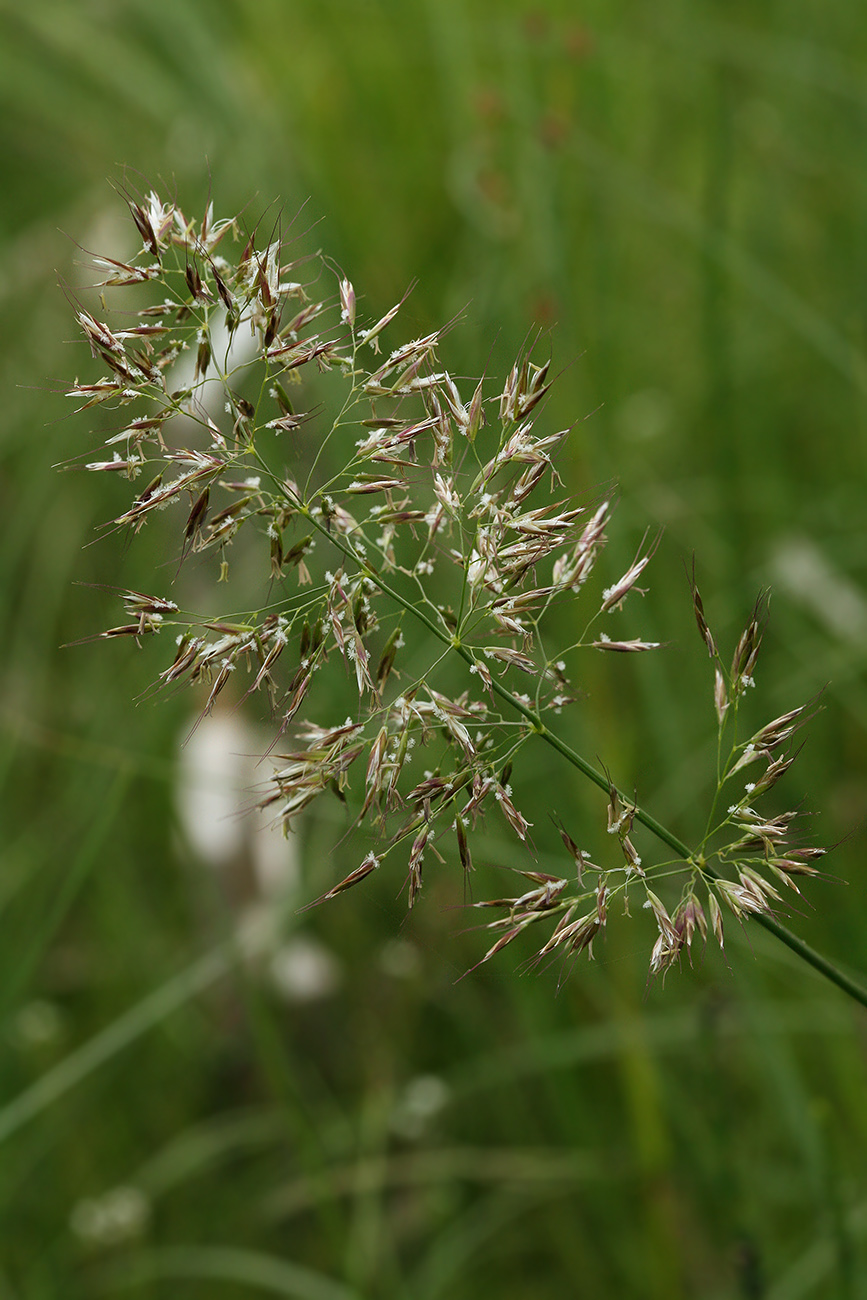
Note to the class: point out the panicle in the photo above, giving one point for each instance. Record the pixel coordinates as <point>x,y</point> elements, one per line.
<point>414,513</point>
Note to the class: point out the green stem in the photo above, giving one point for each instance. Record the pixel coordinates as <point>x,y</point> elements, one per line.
<point>803,950</point>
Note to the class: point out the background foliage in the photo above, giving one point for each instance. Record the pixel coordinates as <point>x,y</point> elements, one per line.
<point>677,193</point>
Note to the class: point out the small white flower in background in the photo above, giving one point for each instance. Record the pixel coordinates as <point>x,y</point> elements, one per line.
<point>217,772</point>
<point>213,773</point>
<point>420,1102</point>
<point>118,1215</point>
<point>304,970</point>
<point>258,865</point>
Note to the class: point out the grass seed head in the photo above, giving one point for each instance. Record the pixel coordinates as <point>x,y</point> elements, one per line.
<point>365,522</point>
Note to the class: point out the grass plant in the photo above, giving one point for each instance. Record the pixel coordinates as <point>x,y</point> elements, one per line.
<point>678,197</point>
<point>208,383</point>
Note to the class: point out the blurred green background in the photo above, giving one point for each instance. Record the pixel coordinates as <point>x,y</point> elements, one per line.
<point>678,193</point>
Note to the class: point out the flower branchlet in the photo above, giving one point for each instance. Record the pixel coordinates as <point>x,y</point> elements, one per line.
<point>741,842</point>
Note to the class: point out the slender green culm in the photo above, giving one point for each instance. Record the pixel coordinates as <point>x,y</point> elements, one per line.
<point>406,522</point>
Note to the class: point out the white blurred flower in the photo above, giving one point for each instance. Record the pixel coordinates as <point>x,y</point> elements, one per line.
<point>421,1101</point>
<point>217,773</point>
<point>118,1215</point>
<point>214,771</point>
<point>304,970</point>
